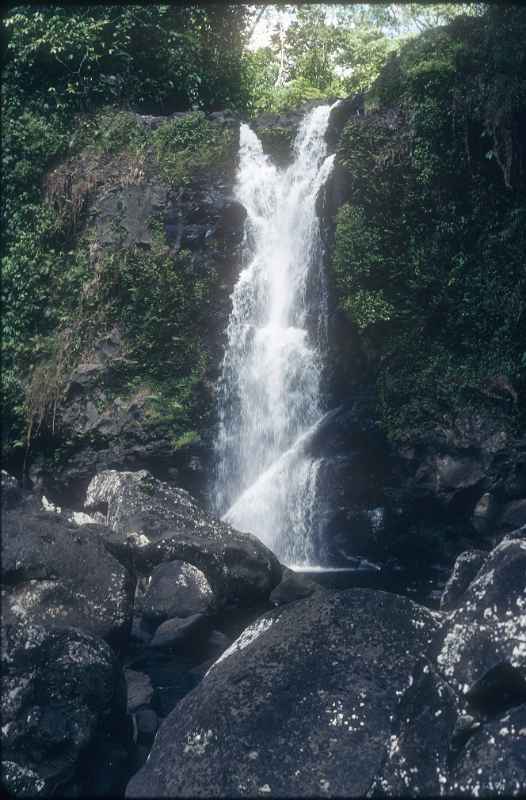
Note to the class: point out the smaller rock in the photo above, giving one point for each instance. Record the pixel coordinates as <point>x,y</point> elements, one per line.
<point>465,726</point>
<point>139,632</point>
<point>292,587</point>
<point>464,571</point>
<point>147,723</point>
<point>217,643</point>
<point>176,632</point>
<point>176,589</point>
<point>493,762</point>
<point>484,513</point>
<point>139,690</point>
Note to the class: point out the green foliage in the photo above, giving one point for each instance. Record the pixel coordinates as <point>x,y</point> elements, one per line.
<point>316,58</point>
<point>429,251</point>
<point>187,144</point>
<point>157,298</point>
<point>67,70</point>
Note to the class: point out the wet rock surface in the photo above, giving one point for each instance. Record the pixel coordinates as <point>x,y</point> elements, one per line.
<point>176,589</point>
<point>464,571</point>
<point>299,704</point>
<point>238,567</point>
<point>489,625</point>
<point>416,762</point>
<point>332,692</point>
<point>54,572</point>
<point>63,705</point>
<point>493,762</point>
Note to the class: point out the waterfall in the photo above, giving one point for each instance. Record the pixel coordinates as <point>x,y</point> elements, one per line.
<point>269,393</point>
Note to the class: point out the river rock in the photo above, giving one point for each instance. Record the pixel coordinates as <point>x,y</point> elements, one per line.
<point>292,587</point>
<point>238,566</point>
<point>175,633</point>
<point>147,723</point>
<point>417,759</point>
<point>299,705</point>
<point>464,571</point>
<point>139,690</point>
<point>493,762</point>
<point>62,697</point>
<point>176,589</point>
<point>55,572</point>
<point>489,627</point>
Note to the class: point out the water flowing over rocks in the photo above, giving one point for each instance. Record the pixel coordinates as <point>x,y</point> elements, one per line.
<point>269,394</point>
<point>355,693</point>
<point>155,523</point>
<point>300,703</point>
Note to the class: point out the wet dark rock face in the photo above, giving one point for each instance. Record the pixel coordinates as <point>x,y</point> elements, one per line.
<point>94,653</point>
<point>54,572</point>
<point>153,523</point>
<point>331,693</point>
<point>63,713</point>
<point>101,421</point>
<point>300,704</point>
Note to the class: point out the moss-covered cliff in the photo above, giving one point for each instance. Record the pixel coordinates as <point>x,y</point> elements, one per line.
<point>121,370</point>
<point>425,228</point>
<point>430,196</point>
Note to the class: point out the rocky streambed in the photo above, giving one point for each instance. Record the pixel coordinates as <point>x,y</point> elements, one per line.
<point>150,650</point>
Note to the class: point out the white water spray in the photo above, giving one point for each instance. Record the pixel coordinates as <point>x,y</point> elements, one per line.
<point>269,393</point>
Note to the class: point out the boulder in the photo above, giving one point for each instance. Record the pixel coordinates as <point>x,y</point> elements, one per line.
<point>299,705</point>
<point>464,571</point>
<point>176,633</point>
<point>292,587</point>
<point>484,513</point>
<point>238,566</point>
<point>513,516</point>
<point>176,589</point>
<point>417,759</point>
<point>493,762</point>
<point>54,572</point>
<point>139,690</point>
<point>489,627</point>
<point>518,533</point>
<point>63,698</point>
<point>147,723</point>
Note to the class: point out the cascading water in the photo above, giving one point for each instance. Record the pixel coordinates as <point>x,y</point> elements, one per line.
<point>269,394</point>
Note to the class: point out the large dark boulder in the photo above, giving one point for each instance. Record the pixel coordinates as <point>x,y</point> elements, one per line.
<point>154,522</point>
<point>63,712</point>
<point>493,763</point>
<point>464,571</point>
<point>299,705</point>
<point>489,627</point>
<point>54,572</point>
<point>419,747</point>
